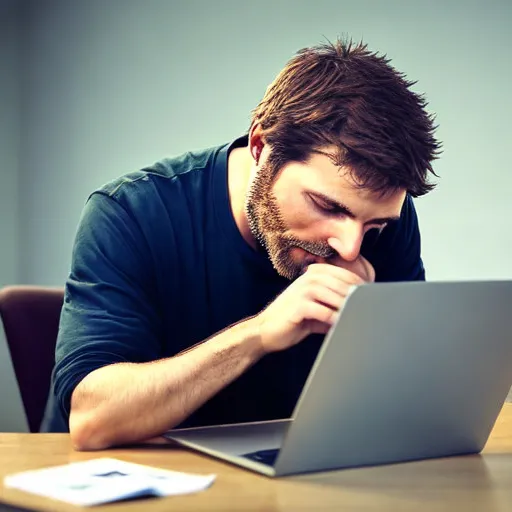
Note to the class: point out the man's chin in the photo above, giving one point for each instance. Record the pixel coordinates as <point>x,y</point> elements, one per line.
<point>291,262</point>
<point>286,268</point>
<point>291,270</point>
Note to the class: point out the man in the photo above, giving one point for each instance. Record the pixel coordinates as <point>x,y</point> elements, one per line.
<point>201,287</point>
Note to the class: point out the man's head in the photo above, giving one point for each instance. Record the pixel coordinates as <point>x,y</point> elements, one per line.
<point>337,141</point>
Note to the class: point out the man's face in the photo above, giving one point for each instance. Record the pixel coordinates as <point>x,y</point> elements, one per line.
<point>295,213</point>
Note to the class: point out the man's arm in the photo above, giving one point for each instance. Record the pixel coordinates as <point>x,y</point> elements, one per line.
<point>128,402</point>
<point>110,378</point>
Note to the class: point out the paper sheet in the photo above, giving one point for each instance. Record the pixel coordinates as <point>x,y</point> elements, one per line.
<point>105,480</point>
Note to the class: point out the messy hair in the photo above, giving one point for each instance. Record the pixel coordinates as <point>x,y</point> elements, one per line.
<point>342,95</point>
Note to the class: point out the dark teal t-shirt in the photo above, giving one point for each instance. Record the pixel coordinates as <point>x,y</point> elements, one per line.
<point>158,265</point>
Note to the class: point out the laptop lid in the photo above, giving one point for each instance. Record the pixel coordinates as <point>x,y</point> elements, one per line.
<point>410,371</point>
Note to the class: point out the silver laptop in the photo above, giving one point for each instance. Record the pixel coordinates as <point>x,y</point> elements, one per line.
<point>410,371</point>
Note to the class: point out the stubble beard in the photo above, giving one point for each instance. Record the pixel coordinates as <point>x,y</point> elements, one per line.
<point>269,229</point>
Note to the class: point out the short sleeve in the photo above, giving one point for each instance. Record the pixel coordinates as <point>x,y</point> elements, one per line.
<point>110,312</point>
<point>396,253</point>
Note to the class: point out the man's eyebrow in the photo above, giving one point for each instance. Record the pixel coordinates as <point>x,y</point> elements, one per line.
<point>341,208</point>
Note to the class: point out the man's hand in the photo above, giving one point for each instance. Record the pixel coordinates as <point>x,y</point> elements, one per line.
<point>311,303</point>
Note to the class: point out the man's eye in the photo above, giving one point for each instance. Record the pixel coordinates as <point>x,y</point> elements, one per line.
<point>324,207</point>
<point>329,209</point>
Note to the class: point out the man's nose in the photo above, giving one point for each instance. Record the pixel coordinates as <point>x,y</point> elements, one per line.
<point>349,238</point>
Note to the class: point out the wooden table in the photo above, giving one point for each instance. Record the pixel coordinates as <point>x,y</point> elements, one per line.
<point>480,482</point>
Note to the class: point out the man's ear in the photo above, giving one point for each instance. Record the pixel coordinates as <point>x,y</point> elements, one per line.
<point>256,142</point>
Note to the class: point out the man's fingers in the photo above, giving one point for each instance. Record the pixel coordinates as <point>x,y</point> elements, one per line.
<point>316,327</point>
<point>325,282</point>
<point>339,273</point>
<point>324,295</point>
<point>320,313</point>
<point>370,270</point>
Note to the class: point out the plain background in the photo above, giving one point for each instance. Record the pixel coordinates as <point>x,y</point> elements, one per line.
<point>92,89</point>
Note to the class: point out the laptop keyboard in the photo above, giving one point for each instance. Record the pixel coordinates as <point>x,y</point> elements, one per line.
<point>267,457</point>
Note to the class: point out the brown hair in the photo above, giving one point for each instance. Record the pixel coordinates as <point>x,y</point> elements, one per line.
<point>343,95</point>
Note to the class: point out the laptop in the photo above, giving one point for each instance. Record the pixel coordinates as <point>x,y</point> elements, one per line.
<point>410,371</point>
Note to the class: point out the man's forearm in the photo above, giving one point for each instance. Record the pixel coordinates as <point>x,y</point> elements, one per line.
<point>127,402</point>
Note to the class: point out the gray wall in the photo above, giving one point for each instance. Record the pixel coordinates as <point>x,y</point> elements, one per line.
<point>114,85</point>
<point>12,417</point>
<point>9,141</point>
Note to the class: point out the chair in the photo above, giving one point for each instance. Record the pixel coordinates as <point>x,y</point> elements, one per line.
<point>30,317</point>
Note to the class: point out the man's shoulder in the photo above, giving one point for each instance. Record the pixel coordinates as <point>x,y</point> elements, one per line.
<point>163,174</point>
